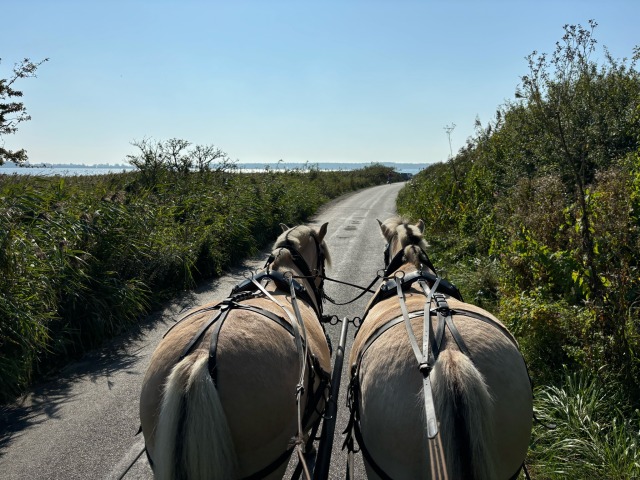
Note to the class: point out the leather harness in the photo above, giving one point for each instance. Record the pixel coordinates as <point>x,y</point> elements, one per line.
<point>431,347</point>
<point>248,289</point>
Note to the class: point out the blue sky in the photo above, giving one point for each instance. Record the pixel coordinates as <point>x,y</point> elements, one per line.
<point>330,81</point>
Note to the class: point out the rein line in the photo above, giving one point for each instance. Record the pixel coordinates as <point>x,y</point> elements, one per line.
<point>364,289</point>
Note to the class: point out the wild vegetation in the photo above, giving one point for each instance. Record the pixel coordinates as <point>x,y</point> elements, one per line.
<point>83,258</point>
<point>537,219</point>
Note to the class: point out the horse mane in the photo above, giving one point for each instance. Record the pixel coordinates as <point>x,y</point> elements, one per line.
<point>414,254</point>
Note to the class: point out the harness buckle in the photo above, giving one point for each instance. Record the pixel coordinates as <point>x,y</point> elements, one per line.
<point>425,368</point>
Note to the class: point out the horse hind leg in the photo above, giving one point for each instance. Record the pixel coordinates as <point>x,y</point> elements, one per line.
<point>193,439</point>
<point>464,411</point>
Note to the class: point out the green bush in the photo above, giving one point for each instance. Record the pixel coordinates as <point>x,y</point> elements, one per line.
<point>543,207</point>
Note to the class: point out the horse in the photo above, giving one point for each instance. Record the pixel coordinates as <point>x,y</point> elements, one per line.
<point>459,408</point>
<point>235,386</point>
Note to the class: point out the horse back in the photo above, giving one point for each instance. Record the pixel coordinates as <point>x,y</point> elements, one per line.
<point>256,372</point>
<point>391,393</point>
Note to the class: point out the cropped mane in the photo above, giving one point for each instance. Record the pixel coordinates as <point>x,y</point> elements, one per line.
<point>405,232</point>
<point>298,237</point>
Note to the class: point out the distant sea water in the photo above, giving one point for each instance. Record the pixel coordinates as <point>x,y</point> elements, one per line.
<point>62,171</point>
<point>72,171</point>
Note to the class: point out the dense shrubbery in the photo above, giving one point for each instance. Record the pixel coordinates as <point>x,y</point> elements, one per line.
<point>538,217</point>
<point>82,258</point>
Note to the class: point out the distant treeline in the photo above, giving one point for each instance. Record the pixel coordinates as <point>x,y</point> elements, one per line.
<point>332,165</point>
<point>245,166</point>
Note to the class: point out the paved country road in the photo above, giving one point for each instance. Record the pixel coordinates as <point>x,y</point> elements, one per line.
<point>82,424</point>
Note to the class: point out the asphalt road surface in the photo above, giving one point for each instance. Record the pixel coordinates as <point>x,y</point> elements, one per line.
<point>83,423</point>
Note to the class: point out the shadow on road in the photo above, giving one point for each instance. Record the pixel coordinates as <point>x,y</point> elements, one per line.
<point>121,354</point>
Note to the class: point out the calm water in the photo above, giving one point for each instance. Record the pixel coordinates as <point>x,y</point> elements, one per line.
<point>70,172</point>
<point>65,172</point>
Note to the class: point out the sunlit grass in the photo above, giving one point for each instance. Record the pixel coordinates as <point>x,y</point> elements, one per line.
<point>594,437</point>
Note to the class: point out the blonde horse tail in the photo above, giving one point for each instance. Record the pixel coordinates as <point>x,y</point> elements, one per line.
<point>193,439</point>
<point>464,412</point>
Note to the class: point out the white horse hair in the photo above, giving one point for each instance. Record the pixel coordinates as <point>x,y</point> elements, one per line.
<point>206,449</point>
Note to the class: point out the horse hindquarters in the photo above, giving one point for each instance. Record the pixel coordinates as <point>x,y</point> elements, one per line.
<point>193,439</point>
<point>464,412</point>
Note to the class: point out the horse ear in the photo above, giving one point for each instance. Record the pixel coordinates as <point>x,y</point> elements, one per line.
<point>384,229</point>
<point>284,227</point>
<point>323,231</point>
<point>420,225</point>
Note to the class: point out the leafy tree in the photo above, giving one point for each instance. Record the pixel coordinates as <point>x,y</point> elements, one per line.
<point>174,155</point>
<point>13,112</point>
<point>579,120</point>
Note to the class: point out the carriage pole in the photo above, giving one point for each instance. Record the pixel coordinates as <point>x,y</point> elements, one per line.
<point>325,446</point>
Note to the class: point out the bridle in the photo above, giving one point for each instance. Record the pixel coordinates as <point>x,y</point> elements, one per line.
<point>302,265</point>
<point>405,280</point>
<point>392,264</point>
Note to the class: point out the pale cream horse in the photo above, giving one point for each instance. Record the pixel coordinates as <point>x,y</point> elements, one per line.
<point>219,399</point>
<point>480,423</point>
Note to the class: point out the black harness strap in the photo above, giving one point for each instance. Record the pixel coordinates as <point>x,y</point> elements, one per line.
<point>367,455</point>
<point>366,289</point>
<point>266,471</point>
<point>389,287</point>
<point>302,265</point>
<point>224,308</point>
<point>444,316</point>
<point>280,280</point>
<point>397,261</point>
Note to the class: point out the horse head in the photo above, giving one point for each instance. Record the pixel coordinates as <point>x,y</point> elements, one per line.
<point>303,251</point>
<point>405,244</point>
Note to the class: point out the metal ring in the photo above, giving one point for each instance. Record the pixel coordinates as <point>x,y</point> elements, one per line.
<point>248,274</point>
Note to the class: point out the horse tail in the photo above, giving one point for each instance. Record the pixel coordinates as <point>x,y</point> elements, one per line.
<point>464,412</point>
<point>193,439</point>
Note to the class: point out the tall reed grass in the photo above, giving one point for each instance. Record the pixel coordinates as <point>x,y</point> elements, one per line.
<point>84,258</point>
<point>595,437</point>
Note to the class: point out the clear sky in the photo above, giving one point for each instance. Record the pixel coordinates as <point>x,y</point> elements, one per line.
<point>324,81</point>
